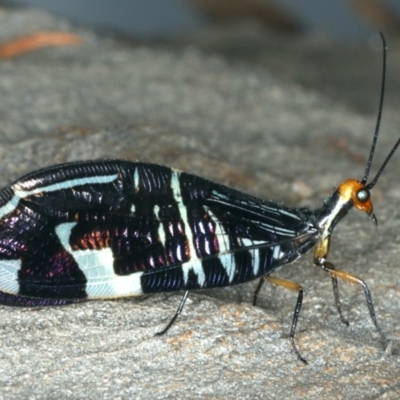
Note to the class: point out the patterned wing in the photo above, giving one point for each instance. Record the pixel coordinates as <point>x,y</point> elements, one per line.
<point>105,229</point>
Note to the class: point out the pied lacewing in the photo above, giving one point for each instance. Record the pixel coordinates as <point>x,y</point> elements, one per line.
<point>111,228</point>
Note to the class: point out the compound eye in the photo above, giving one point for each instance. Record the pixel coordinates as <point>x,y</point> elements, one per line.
<point>363,195</point>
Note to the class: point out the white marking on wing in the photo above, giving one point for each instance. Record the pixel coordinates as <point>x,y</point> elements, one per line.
<point>161,231</point>
<point>255,253</point>
<point>19,193</point>
<point>136,178</point>
<point>223,238</point>
<point>220,195</point>
<point>285,231</point>
<point>98,268</point>
<point>269,209</point>
<point>277,252</point>
<point>229,264</point>
<point>97,180</point>
<point>224,247</point>
<point>9,276</point>
<point>195,266</point>
<point>289,214</point>
<point>10,206</point>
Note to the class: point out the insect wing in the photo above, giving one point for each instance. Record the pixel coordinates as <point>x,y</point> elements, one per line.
<point>105,229</point>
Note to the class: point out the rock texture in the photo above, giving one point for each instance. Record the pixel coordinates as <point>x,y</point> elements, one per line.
<point>278,119</point>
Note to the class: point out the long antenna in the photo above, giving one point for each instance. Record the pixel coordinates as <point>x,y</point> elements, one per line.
<point>396,145</point>
<point>378,121</point>
<point>373,182</point>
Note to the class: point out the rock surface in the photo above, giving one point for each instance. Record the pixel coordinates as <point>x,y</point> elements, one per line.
<point>273,123</point>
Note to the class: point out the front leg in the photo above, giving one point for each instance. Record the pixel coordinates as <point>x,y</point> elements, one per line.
<point>320,253</point>
<point>325,265</point>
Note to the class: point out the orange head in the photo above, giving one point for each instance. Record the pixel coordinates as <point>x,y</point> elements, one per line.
<point>359,194</point>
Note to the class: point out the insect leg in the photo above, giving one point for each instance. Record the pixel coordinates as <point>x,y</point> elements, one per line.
<point>330,266</point>
<point>178,311</point>
<point>258,288</point>
<point>320,253</point>
<point>336,273</point>
<point>292,286</point>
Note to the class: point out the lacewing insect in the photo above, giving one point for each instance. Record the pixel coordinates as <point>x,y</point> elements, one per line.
<point>111,228</point>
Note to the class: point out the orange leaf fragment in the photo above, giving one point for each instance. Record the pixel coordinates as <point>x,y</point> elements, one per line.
<point>37,40</point>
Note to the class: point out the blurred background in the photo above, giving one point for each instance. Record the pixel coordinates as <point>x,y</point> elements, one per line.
<point>345,20</point>
<point>281,36</point>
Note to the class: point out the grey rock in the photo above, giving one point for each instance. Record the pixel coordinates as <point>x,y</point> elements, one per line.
<point>241,121</point>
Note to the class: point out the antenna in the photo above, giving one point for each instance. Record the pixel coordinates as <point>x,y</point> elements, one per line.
<point>396,145</point>
<point>378,120</point>
<point>378,174</point>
